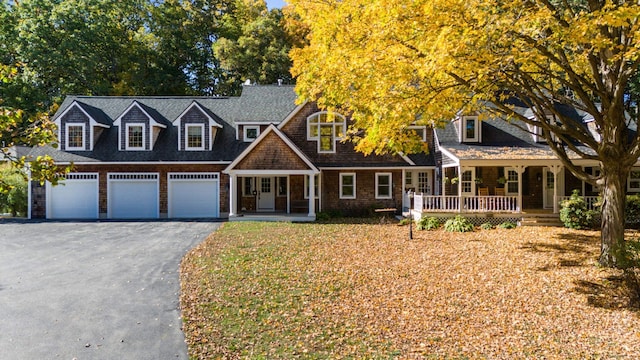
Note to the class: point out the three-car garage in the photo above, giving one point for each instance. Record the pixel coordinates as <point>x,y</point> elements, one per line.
<point>135,196</point>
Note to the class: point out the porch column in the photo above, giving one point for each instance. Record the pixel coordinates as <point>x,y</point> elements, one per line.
<point>555,169</point>
<point>233,198</point>
<point>312,195</point>
<point>520,170</point>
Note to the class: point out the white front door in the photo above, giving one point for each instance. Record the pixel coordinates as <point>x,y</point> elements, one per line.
<point>266,194</point>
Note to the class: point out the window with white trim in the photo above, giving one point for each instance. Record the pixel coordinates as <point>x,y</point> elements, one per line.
<point>633,182</point>
<point>408,179</point>
<point>75,136</point>
<point>251,133</point>
<point>420,131</point>
<point>470,129</point>
<point>326,128</point>
<point>423,183</point>
<point>135,136</point>
<point>195,137</point>
<point>316,186</point>
<point>511,186</point>
<point>383,185</point>
<point>347,186</point>
<point>466,182</point>
<point>282,185</point>
<point>248,186</point>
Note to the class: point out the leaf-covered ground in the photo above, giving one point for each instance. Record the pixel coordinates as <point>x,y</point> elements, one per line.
<point>364,291</point>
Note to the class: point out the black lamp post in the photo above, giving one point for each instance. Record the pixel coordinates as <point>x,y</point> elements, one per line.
<point>410,195</point>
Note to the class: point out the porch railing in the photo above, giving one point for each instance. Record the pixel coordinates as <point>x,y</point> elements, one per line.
<point>590,200</point>
<point>449,203</point>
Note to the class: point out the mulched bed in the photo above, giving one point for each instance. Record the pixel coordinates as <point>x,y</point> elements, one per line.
<point>366,291</point>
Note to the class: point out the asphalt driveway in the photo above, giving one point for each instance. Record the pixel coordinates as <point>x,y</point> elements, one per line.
<point>93,290</point>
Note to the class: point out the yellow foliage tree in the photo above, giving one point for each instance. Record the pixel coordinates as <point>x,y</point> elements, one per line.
<point>391,63</point>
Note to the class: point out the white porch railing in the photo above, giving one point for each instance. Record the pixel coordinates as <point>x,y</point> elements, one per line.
<point>449,203</point>
<point>590,200</point>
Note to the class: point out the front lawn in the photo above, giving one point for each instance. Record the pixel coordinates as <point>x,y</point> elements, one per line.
<point>364,291</point>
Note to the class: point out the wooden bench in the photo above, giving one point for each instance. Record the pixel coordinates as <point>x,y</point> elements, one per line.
<point>299,205</point>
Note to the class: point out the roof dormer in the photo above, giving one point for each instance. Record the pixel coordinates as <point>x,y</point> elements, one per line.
<point>137,129</point>
<point>79,127</point>
<point>469,129</point>
<point>197,128</point>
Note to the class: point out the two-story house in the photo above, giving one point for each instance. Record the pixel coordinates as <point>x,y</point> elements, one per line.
<point>260,153</point>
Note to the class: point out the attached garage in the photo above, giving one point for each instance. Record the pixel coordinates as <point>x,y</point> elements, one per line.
<point>74,198</point>
<point>193,195</point>
<point>133,196</point>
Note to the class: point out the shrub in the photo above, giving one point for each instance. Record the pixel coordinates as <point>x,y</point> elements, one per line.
<point>486,226</point>
<point>507,225</point>
<point>629,254</point>
<point>428,223</point>
<point>14,199</point>
<point>632,211</point>
<point>574,213</point>
<point>458,224</point>
<point>405,221</point>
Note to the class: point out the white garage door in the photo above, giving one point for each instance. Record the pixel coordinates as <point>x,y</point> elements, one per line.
<point>133,196</point>
<point>74,198</point>
<point>194,195</point>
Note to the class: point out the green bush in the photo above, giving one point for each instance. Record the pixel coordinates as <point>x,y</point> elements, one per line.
<point>428,223</point>
<point>14,199</point>
<point>405,221</point>
<point>632,211</point>
<point>458,224</point>
<point>629,255</point>
<point>574,213</point>
<point>507,225</point>
<point>486,226</point>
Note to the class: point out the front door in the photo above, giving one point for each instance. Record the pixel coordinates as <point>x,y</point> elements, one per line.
<point>266,194</point>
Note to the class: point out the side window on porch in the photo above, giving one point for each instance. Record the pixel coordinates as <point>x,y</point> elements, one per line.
<point>423,183</point>
<point>466,182</point>
<point>511,186</point>
<point>282,186</point>
<point>247,186</point>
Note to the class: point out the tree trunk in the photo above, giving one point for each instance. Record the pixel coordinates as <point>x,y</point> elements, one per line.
<point>613,216</point>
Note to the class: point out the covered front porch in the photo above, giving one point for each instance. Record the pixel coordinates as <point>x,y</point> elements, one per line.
<point>494,188</point>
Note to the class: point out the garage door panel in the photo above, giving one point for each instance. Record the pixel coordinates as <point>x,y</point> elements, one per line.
<point>133,198</point>
<point>193,195</point>
<point>74,198</point>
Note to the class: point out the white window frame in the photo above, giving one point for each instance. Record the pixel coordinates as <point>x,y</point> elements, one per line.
<point>353,196</point>
<point>84,140</point>
<point>316,187</point>
<point>186,136</point>
<point>424,183</point>
<point>314,126</point>
<point>463,129</point>
<point>144,136</point>
<point>245,135</point>
<point>470,183</point>
<point>633,182</point>
<point>418,130</point>
<point>282,188</point>
<point>389,186</point>
<point>252,186</point>
<point>509,181</point>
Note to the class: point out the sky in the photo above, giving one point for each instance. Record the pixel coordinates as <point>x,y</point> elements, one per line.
<point>275,4</point>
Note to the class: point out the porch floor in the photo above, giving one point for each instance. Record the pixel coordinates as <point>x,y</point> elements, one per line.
<point>273,217</point>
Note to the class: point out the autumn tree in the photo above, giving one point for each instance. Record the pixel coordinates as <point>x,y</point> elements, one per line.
<point>393,62</point>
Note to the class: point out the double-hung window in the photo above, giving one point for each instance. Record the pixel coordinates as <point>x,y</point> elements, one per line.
<point>466,182</point>
<point>326,128</point>
<point>135,136</point>
<point>347,186</point>
<point>511,186</point>
<point>470,129</point>
<point>633,183</point>
<point>75,136</point>
<point>195,136</point>
<point>383,185</point>
<point>316,186</point>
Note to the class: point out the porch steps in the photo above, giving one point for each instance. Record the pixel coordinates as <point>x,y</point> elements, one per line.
<point>540,220</point>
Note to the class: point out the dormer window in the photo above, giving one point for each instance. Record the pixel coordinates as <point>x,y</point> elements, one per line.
<point>326,128</point>
<point>195,137</point>
<point>135,136</point>
<point>251,133</point>
<point>75,136</point>
<point>537,134</point>
<point>420,131</point>
<point>470,129</point>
